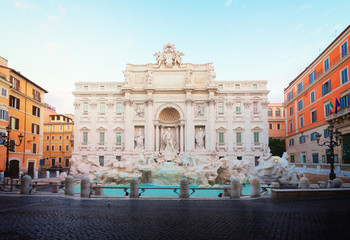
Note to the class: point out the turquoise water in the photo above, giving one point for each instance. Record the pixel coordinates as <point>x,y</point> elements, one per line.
<point>161,192</point>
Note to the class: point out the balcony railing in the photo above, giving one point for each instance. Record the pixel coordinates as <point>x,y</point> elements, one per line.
<point>340,113</point>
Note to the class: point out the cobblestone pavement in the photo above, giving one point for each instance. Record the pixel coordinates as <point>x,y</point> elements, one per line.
<point>34,217</point>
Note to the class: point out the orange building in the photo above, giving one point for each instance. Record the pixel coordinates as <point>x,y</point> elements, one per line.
<point>25,105</point>
<point>307,105</point>
<point>58,137</point>
<point>277,125</point>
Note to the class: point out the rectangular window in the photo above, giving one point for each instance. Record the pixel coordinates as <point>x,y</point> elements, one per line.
<point>53,137</point>
<point>313,116</point>
<point>47,148</point>
<point>102,137</point>
<point>326,65</point>
<point>303,157</point>
<point>239,137</point>
<point>60,137</point>
<point>4,115</point>
<point>326,87</point>
<point>313,136</point>
<point>67,127</point>
<point>36,95</point>
<point>255,107</point>
<point>67,148</point>
<point>119,108</point>
<point>255,86</point>
<point>290,95</point>
<point>119,138</point>
<point>221,137</point>
<point>14,102</point>
<point>4,92</point>
<point>101,159</point>
<point>238,107</point>
<point>344,101</point>
<point>14,123</point>
<point>256,137</point>
<point>53,128</point>
<point>300,87</point>
<point>220,87</point>
<point>291,142</point>
<point>35,128</point>
<point>326,133</point>
<point>221,107</point>
<point>278,112</point>
<point>312,96</point>
<point>290,110</point>
<point>278,126</point>
<point>312,77</point>
<point>302,139</point>
<point>61,128</point>
<point>291,126</point>
<point>48,128</point>
<point>327,109</point>
<point>315,158</point>
<point>85,107</point>
<point>85,137</point>
<point>102,87</point>
<point>53,148</point>
<point>292,158</point>
<point>270,125</point>
<point>102,107</point>
<point>300,105</point>
<point>67,137</point>
<point>119,87</point>
<point>344,49</point>
<point>86,88</point>
<point>301,121</point>
<point>238,86</point>
<point>344,76</point>
<point>15,83</point>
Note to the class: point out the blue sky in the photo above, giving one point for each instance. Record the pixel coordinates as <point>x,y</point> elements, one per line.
<point>57,43</point>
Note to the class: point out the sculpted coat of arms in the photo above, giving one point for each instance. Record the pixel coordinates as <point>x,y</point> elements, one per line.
<point>169,57</point>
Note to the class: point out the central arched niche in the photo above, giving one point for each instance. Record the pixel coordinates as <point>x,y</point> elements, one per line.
<point>169,114</point>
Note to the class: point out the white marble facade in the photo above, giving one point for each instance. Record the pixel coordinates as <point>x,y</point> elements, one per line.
<point>170,106</point>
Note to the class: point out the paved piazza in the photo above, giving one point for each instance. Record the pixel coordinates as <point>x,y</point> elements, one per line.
<point>34,217</point>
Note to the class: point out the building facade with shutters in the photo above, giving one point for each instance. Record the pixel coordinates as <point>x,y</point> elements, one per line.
<point>22,102</point>
<point>115,121</point>
<point>58,137</point>
<point>308,102</point>
<point>277,124</point>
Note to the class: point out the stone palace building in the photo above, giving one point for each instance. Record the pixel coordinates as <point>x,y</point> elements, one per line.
<point>169,108</point>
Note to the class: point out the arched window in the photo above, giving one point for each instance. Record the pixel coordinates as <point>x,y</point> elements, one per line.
<point>278,112</point>
<point>269,112</point>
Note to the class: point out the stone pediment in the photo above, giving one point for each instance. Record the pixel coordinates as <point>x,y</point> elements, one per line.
<point>101,129</point>
<point>118,129</point>
<point>221,129</point>
<point>257,129</point>
<point>238,129</point>
<point>85,129</point>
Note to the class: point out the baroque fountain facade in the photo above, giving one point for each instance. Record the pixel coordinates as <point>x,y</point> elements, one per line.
<point>171,119</point>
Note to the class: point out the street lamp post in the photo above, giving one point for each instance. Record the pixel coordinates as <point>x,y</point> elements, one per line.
<point>331,144</point>
<point>9,147</point>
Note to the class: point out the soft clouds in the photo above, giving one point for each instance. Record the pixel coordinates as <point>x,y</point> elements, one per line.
<point>228,3</point>
<point>23,5</point>
<point>306,5</point>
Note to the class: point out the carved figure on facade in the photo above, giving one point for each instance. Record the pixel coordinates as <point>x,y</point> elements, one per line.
<point>169,57</point>
<point>139,110</point>
<point>212,76</point>
<point>139,139</point>
<point>188,78</point>
<point>199,110</point>
<point>168,141</point>
<point>149,78</point>
<point>200,139</point>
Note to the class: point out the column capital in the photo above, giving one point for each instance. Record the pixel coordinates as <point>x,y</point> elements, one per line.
<point>189,101</point>
<point>128,102</point>
<point>211,101</point>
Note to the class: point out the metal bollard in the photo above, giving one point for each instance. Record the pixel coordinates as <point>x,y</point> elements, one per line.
<point>85,187</point>
<point>254,187</point>
<point>304,183</point>
<point>134,188</point>
<point>184,189</point>
<point>235,188</point>
<point>69,186</point>
<point>26,184</point>
<point>13,184</point>
<point>55,187</point>
<point>47,174</point>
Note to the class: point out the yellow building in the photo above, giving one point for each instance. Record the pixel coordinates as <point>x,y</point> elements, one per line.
<point>58,136</point>
<point>24,100</point>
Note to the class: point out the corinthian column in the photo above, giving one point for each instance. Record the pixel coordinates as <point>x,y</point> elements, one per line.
<point>212,138</point>
<point>129,130</point>
<point>149,126</point>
